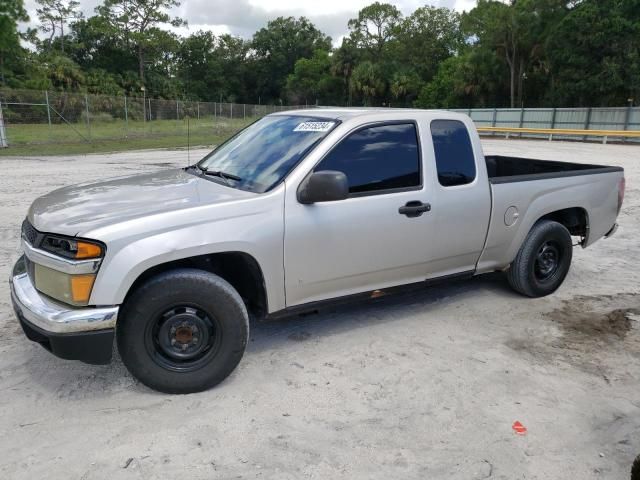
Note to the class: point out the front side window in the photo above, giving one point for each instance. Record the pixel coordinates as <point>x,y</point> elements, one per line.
<point>380,157</point>
<point>261,155</point>
<point>454,155</point>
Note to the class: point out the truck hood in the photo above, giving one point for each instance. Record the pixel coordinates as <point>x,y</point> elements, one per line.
<point>84,207</point>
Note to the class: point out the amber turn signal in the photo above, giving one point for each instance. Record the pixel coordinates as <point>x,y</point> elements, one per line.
<point>81,286</point>
<point>88,250</point>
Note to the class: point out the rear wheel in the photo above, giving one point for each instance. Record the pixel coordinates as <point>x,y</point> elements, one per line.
<point>183,331</point>
<point>543,260</point>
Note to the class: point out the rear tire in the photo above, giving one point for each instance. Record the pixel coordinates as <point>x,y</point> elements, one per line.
<point>182,331</point>
<point>543,260</point>
<point>635,469</point>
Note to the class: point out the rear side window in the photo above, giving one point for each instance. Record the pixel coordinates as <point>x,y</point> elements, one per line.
<point>454,156</point>
<point>380,157</point>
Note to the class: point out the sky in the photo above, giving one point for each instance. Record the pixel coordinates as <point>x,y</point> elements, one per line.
<point>244,17</point>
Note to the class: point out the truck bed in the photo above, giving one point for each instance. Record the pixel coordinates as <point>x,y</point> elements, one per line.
<point>503,169</point>
<point>579,190</point>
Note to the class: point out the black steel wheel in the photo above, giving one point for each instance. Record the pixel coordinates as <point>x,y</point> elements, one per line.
<point>543,261</point>
<point>548,260</point>
<point>182,338</point>
<point>182,331</point>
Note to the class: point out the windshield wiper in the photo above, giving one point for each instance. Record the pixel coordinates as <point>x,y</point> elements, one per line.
<point>219,173</point>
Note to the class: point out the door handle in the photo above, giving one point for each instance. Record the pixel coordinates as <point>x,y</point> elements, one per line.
<point>414,208</point>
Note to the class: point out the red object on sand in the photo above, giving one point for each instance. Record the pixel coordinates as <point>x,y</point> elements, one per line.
<point>519,428</point>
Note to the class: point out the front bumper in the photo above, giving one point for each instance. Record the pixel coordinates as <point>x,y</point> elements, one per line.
<point>84,334</point>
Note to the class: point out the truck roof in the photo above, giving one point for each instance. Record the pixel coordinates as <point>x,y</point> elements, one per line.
<point>344,113</point>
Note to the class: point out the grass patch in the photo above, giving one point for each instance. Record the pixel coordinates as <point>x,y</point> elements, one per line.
<point>100,137</point>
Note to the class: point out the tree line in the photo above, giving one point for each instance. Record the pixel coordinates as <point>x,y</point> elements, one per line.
<point>499,54</point>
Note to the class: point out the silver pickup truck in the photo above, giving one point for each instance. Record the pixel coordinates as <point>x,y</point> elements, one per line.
<point>298,209</point>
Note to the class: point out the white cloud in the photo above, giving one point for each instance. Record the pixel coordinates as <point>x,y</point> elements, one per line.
<point>244,17</point>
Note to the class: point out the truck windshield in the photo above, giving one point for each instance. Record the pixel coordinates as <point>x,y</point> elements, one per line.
<point>259,157</point>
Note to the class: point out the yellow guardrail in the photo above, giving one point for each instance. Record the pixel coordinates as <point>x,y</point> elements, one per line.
<point>563,132</point>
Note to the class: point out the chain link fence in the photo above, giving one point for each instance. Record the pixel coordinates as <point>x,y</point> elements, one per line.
<point>39,117</point>
<point>34,117</point>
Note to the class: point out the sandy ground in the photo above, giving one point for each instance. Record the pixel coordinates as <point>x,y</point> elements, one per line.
<point>421,386</point>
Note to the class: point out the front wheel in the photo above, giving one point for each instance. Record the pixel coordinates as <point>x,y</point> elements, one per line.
<point>183,331</point>
<point>543,261</point>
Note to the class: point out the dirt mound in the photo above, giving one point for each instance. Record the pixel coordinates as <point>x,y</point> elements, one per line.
<point>593,316</point>
<point>596,334</point>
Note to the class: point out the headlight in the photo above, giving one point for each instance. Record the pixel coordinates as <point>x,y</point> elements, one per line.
<point>76,249</point>
<point>74,289</point>
<point>71,289</point>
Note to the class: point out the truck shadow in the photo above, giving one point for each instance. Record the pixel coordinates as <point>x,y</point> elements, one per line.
<point>335,320</point>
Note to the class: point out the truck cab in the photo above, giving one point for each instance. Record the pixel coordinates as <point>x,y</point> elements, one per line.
<point>418,206</point>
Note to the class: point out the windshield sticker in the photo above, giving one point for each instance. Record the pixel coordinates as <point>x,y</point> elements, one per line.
<point>314,127</point>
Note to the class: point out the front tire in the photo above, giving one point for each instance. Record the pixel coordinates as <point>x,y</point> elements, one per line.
<point>543,260</point>
<point>183,331</point>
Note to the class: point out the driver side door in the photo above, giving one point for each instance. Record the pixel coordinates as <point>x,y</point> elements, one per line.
<point>363,242</point>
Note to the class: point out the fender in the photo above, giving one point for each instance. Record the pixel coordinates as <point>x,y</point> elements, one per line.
<point>254,227</point>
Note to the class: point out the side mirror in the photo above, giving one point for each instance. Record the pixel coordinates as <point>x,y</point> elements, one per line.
<point>324,186</point>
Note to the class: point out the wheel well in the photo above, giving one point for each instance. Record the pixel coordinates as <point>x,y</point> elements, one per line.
<point>240,269</point>
<point>574,219</point>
